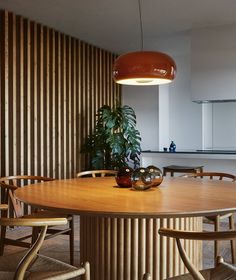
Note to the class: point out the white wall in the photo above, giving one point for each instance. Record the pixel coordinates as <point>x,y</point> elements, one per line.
<point>164,117</point>
<point>144,100</point>
<point>188,124</point>
<point>185,116</point>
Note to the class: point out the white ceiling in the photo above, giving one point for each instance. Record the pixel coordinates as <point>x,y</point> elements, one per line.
<point>114,24</point>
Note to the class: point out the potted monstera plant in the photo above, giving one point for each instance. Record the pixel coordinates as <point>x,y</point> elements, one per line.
<point>115,141</point>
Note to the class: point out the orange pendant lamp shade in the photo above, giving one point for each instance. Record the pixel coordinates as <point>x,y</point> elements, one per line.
<point>144,68</point>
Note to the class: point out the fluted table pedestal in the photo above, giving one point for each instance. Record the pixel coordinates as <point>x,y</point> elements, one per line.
<point>126,248</point>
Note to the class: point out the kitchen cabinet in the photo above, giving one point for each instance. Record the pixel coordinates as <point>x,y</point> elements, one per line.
<point>213,64</point>
<point>212,161</point>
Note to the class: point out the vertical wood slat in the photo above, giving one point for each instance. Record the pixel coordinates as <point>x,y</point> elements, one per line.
<point>51,87</point>
<point>14,95</point>
<point>54,112</point>
<point>28,93</point>
<point>149,248</point>
<point>59,88</point>
<point>108,246</point>
<point>127,253</point>
<point>134,250</point>
<point>35,92</point>
<point>120,255</point>
<point>182,226</point>
<point>142,247</point>
<point>126,248</point>
<point>41,92</point>
<point>5,80</point>
<point>114,237</point>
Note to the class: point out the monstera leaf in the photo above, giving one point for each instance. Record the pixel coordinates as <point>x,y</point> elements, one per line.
<point>115,141</point>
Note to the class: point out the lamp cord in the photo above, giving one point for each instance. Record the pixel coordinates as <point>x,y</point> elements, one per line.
<point>141,25</point>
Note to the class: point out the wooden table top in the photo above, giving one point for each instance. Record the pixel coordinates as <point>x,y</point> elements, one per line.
<point>175,197</point>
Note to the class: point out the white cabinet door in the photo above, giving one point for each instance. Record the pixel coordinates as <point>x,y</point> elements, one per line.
<point>213,63</point>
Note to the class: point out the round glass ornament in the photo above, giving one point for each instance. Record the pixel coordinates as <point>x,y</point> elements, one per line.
<point>141,179</point>
<point>156,174</point>
<point>123,177</point>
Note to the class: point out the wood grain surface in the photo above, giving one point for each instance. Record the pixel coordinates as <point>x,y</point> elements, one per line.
<point>175,197</point>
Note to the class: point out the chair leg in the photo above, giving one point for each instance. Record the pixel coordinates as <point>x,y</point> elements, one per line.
<point>216,245</point>
<point>233,247</point>
<point>35,234</point>
<point>87,271</point>
<point>71,241</point>
<point>3,234</point>
<point>2,239</point>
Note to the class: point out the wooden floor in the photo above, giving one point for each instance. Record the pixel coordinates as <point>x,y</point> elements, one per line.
<point>59,247</point>
<point>208,253</point>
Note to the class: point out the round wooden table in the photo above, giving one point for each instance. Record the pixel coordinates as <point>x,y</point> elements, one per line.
<point>119,227</point>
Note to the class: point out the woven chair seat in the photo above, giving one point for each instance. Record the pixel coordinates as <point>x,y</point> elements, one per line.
<point>10,262</point>
<point>5,275</point>
<point>223,271</point>
<point>205,273</point>
<point>45,268</point>
<point>42,268</point>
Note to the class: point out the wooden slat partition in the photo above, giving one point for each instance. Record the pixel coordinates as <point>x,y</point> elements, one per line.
<point>51,86</point>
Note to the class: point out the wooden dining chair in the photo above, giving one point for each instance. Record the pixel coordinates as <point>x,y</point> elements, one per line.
<point>20,210</point>
<point>217,218</point>
<point>30,264</point>
<point>221,271</point>
<point>97,173</point>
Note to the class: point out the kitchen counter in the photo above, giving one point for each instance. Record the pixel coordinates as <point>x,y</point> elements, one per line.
<point>226,152</point>
<point>212,160</point>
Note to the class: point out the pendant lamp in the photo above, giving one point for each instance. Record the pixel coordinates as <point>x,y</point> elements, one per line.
<point>144,67</point>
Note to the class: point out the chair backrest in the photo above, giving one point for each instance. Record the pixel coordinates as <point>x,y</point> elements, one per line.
<point>97,173</point>
<point>212,175</point>
<point>3,207</point>
<point>9,184</point>
<point>178,235</point>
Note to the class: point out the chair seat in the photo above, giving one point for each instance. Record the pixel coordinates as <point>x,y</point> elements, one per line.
<point>5,275</point>
<point>9,262</point>
<point>223,271</point>
<point>205,273</point>
<point>42,268</point>
<point>45,267</point>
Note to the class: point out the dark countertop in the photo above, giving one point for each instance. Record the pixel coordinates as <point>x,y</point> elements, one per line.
<point>226,152</point>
